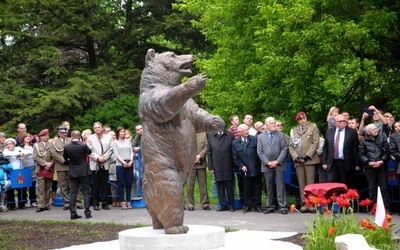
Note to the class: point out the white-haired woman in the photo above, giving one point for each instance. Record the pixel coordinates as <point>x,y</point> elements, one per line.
<point>15,155</point>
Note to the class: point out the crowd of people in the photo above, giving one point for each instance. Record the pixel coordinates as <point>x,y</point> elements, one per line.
<point>352,151</point>
<point>75,165</point>
<point>253,158</point>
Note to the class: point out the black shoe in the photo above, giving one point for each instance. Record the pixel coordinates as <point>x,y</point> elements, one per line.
<point>105,207</point>
<point>206,208</point>
<point>220,209</point>
<point>284,211</point>
<point>268,211</point>
<point>40,209</point>
<point>21,207</point>
<point>246,209</point>
<point>96,208</point>
<point>190,208</point>
<point>47,208</point>
<point>232,210</point>
<point>88,216</point>
<point>74,217</point>
<point>13,208</point>
<point>79,207</point>
<point>258,209</point>
<point>66,208</point>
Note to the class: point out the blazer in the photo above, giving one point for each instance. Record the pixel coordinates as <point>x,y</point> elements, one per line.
<point>350,148</point>
<point>104,149</point>
<point>246,155</point>
<point>276,150</point>
<point>57,152</point>
<point>75,155</point>
<point>201,150</point>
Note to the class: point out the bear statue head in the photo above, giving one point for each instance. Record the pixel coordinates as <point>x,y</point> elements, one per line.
<point>166,68</point>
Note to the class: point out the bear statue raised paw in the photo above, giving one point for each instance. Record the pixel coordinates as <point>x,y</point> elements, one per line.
<point>170,120</point>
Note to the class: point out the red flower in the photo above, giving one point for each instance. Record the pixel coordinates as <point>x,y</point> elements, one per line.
<point>365,223</point>
<point>352,194</point>
<point>342,202</point>
<point>327,211</point>
<point>331,230</point>
<point>325,201</point>
<point>365,203</point>
<point>292,208</point>
<point>373,209</point>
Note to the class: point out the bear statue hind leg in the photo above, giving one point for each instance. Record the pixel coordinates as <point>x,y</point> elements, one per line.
<point>165,201</point>
<point>177,230</point>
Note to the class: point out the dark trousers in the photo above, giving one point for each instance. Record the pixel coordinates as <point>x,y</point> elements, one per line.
<point>337,172</point>
<point>125,180</point>
<point>84,184</point>
<point>224,189</point>
<point>21,197</point>
<point>252,191</point>
<point>100,185</point>
<point>377,177</point>
<point>239,178</point>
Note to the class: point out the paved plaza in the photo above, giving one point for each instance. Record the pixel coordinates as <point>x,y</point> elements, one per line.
<point>262,228</point>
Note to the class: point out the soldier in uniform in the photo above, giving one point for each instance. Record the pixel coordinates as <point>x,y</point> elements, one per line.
<point>44,163</point>
<point>304,142</point>
<point>61,167</point>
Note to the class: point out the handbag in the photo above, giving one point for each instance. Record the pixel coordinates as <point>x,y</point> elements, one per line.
<point>48,174</point>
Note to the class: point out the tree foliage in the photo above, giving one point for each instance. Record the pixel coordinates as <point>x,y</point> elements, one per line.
<point>63,59</point>
<point>278,57</point>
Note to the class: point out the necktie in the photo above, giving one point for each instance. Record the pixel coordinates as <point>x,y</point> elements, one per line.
<point>271,136</point>
<point>63,141</point>
<point>336,145</point>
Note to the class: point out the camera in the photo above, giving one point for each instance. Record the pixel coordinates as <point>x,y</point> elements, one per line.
<point>100,166</point>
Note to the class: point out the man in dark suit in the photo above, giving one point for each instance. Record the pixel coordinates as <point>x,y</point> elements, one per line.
<point>244,152</point>
<point>79,173</point>
<point>220,163</point>
<point>340,152</point>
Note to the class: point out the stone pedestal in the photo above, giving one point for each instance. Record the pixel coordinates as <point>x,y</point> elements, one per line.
<point>198,237</point>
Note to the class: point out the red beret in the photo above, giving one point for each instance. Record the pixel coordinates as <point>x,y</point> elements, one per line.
<point>300,115</point>
<point>43,132</point>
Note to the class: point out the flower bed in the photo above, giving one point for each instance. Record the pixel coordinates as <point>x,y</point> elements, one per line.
<point>335,216</point>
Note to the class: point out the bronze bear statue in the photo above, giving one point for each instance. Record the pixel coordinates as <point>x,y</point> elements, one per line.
<point>170,120</point>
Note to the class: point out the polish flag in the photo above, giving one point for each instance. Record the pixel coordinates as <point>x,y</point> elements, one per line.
<point>380,215</point>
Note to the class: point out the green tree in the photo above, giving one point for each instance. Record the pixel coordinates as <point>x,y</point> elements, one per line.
<point>60,59</point>
<point>279,57</point>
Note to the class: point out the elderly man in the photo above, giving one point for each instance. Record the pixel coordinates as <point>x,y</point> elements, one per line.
<point>374,155</point>
<point>244,153</point>
<point>304,142</point>
<point>340,152</point>
<point>100,144</point>
<point>272,149</point>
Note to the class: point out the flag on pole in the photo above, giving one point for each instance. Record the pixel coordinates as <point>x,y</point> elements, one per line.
<point>380,215</point>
